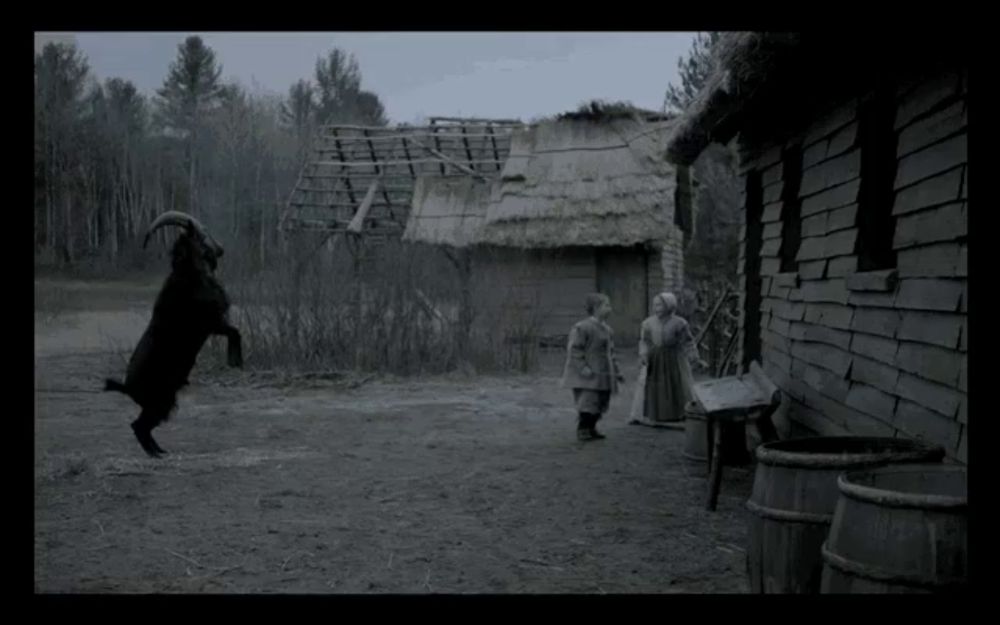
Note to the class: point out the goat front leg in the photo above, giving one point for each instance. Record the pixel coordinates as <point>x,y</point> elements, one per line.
<point>234,344</point>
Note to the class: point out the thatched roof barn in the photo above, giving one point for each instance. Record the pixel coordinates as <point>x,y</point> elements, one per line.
<point>853,260</point>
<point>584,202</point>
<point>581,182</point>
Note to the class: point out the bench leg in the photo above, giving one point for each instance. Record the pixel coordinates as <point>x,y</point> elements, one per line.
<point>715,467</point>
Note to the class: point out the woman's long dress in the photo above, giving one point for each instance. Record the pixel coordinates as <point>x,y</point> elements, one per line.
<point>664,385</point>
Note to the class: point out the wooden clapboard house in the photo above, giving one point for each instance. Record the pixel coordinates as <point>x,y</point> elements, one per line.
<point>853,259</point>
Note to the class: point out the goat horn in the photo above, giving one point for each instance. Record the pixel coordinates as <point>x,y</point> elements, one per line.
<point>177,218</point>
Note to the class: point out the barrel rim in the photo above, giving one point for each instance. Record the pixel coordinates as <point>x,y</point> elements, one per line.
<point>770,455</point>
<point>790,516</point>
<point>899,499</point>
<point>875,573</point>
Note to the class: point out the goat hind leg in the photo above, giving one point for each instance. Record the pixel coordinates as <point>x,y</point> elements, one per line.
<point>143,430</point>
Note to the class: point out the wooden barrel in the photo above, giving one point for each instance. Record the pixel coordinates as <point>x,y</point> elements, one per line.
<point>898,530</point>
<point>694,435</point>
<point>793,499</point>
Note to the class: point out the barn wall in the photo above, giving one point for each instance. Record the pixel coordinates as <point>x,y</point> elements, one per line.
<point>544,289</point>
<point>872,353</point>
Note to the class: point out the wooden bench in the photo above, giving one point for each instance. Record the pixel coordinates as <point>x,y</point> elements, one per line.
<point>749,398</point>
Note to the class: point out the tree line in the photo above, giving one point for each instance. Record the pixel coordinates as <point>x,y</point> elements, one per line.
<point>109,158</point>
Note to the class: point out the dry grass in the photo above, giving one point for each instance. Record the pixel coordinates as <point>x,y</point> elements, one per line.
<point>398,315</point>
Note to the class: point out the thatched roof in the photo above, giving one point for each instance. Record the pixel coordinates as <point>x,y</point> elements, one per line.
<point>741,63</point>
<point>781,79</point>
<point>575,180</point>
<point>582,182</point>
<point>447,211</point>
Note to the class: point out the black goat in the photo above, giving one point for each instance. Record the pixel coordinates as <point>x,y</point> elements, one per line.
<point>191,306</point>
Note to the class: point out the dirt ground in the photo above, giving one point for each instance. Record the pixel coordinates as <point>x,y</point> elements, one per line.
<point>451,484</point>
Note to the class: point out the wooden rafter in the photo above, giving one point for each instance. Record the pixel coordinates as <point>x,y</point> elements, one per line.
<point>347,158</point>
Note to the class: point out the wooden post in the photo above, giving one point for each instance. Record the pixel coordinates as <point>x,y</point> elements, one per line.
<point>715,461</point>
<point>465,305</point>
<point>357,222</point>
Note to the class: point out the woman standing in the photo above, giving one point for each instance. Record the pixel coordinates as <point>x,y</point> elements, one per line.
<point>666,348</point>
<point>592,369</point>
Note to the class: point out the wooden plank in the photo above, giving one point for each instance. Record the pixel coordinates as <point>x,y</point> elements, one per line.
<point>930,362</point>
<point>813,226</point>
<point>729,394</point>
<point>830,315</point>
<point>941,329</point>
<point>835,197</point>
<point>842,266</point>
<point>884,280</point>
<point>937,397</point>
<point>869,299</point>
<point>776,341</point>
<point>770,248</point>
<point>830,290</point>
<point>771,231</point>
<point>772,193</point>
<point>935,225</point>
<point>930,130</point>
<point>924,424</point>
<point>781,292</point>
<point>771,175</point>
<point>826,356</point>
<point>770,266</point>
<point>831,173</point>
<point>802,331</point>
<point>842,218</point>
<point>878,348</point>
<point>962,452</point>
<point>792,311</point>
<point>882,322</point>
<point>398,137</point>
<point>814,270</point>
<point>366,204</point>
<point>814,420</point>
<point>771,213</point>
<point>811,248</point>
<point>938,158</point>
<point>929,294</point>
<point>780,326</point>
<point>822,381</point>
<point>874,373</point>
<point>385,193</point>
<point>870,400</point>
<point>460,165</point>
<point>340,155</point>
<point>775,359</point>
<point>788,278</point>
<point>840,243</point>
<point>840,142</point>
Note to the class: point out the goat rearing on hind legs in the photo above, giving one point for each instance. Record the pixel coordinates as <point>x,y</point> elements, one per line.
<point>191,306</point>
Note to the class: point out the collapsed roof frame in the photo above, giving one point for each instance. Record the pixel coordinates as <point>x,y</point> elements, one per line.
<point>360,179</point>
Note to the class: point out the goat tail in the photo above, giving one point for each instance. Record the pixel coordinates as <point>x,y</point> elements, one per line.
<point>111,384</point>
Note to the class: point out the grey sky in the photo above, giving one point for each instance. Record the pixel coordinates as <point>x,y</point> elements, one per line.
<point>492,74</point>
